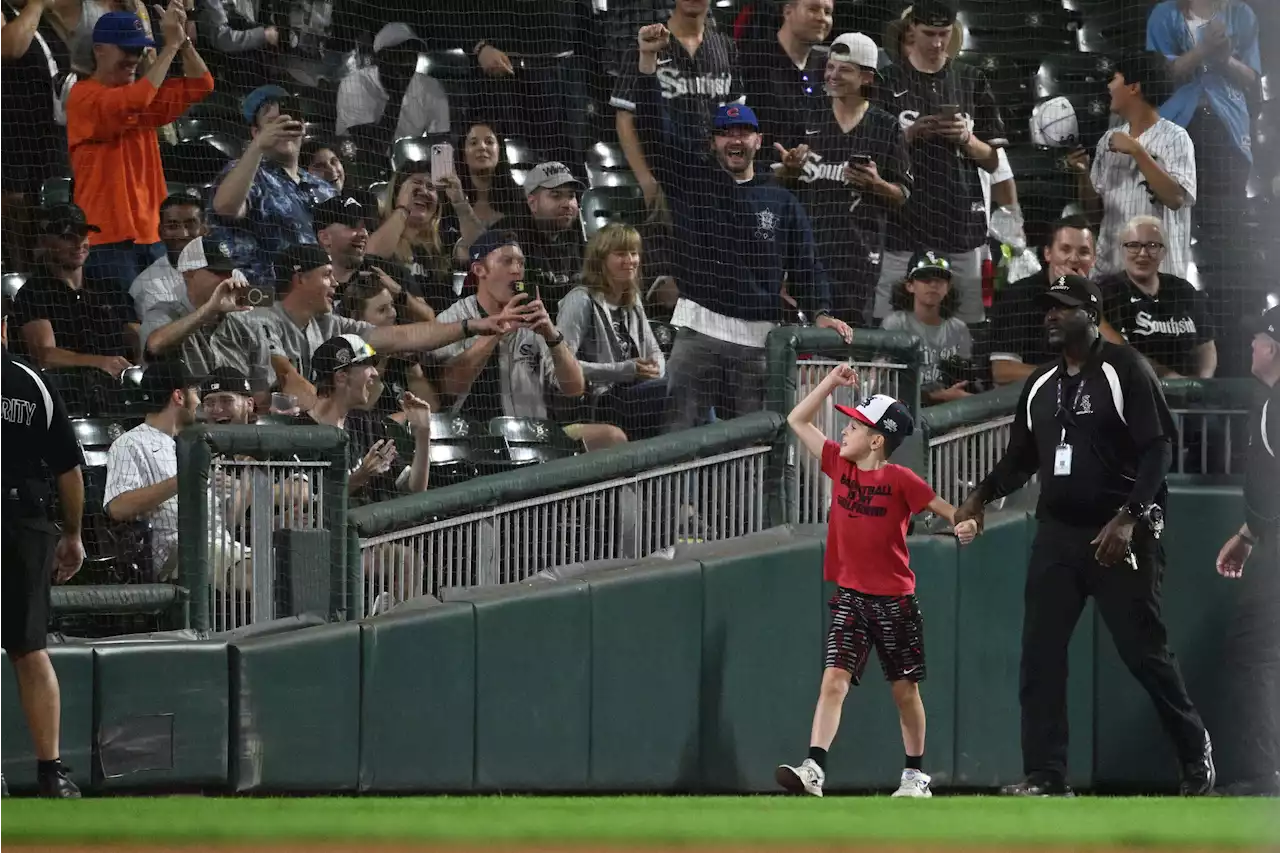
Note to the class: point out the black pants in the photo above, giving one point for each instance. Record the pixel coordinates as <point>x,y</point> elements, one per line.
<point>27,569</point>
<point>1061,576</point>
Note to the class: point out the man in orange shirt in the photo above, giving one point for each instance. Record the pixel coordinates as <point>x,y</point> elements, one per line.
<point>111,133</point>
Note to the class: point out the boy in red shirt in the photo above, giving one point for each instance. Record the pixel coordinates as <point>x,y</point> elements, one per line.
<point>872,505</point>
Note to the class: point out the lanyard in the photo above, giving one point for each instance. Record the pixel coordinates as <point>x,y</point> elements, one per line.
<point>1075,403</point>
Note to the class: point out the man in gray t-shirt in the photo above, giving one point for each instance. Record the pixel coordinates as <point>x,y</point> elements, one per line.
<point>302,318</point>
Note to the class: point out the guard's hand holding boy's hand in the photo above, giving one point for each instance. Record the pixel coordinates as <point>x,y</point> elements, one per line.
<point>966,531</point>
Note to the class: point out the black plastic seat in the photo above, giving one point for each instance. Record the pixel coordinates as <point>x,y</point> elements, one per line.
<point>532,440</point>
<point>1020,30</point>
<point>11,283</point>
<point>602,205</point>
<point>1073,74</point>
<point>607,167</point>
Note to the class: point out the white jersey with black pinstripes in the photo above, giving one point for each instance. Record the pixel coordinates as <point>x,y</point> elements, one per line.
<point>1125,194</point>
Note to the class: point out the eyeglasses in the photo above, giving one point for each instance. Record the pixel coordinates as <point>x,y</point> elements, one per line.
<point>1135,248</point>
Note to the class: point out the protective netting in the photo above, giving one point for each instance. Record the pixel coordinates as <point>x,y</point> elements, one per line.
<point>410,145</point>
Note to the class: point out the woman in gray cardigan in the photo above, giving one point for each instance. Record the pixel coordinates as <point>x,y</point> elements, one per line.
<point>604,325</point>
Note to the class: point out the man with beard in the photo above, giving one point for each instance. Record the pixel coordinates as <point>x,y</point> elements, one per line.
<point>1251,556</point>
<point>739,238</point>
<point>64,316</point>
<point>389,96</point>
<point>181,221</point>
<point>851,171</point>
<point>142,465</point>
<point>1095,426</point>
<point>551,234</point>
<point>1017,319</point>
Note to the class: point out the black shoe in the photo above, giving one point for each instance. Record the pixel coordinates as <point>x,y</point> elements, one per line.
<point>57,785</point>
<point>1199,777</point>
<point>1038,787</point>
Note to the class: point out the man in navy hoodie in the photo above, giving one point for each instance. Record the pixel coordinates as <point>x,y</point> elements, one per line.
<point>739,238</point>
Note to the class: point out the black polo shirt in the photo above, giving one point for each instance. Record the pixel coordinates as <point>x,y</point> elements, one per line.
<point>1017,322</point>
<point>1110,411</point>
<point>91,321</point>
<point>1167,327</point>
<point>782,96</point>
<point>1262,477</point>
<point>37,433</point>
<point>947,211</point>
<point>552,259</point>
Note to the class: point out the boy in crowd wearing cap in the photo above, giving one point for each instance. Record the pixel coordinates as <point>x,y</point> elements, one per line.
<point>111,134</point>
<point>875,605</point>
<point>346,380</point>
<point>342,229</point>
<point>263,202</point>
<point>1144,167</point>
<point>851,171</point>
<point>66,317</point>
<point>947,211</point>
<point>390,95</point>
<point>551,235</point>
<point>512,374</point>
<point>740,236</point>
<point>207,325</point>
<point>924,306</point>
<point>142,465</point>
<point>302,318</point>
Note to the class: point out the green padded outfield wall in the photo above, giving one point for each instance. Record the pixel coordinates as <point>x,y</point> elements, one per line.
<point>74,666</point>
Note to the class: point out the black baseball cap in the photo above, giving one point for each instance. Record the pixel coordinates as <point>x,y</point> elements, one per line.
<point>303,257</point>
<point>162,378</point>
<point>339,353</point>
<point>354,207</point>
<point>225,380</point>
<point>933,13</point>
<point>206,253</point>
<point>928,264</point>
<point>491,241</point>
<point>1267,323</point>
<point>1074,291</point>
<point>63,220</point>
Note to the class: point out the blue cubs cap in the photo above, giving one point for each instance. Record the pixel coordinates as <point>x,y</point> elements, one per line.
<point>254,100</point>
<point>735,115</point>
<point>491,241</point>
<point>123,29</point>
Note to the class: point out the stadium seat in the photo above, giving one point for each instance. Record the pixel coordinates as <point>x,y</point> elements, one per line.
<point>607,167</point>
<point>1112,29</point>
<point>532,440</point>
<point>521,157</point>
<point>602,205</point>
<point>200,161</point>
<point>1010,79</point>
<point>460,449</point>
<point>1072,74</point>
<point>377,188</point>
<point>445,64</point>
<point>11,283</point>
<point>1020,31</point>
<point>55,190</point>
<point>1045,187</point>
<point>196,191</point>
<point>363,158</point>
<point>409,149</point>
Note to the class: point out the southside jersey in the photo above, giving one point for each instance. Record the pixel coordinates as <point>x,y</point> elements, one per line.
<point>692,84</point>
<point>849,225</point>
<point>946,211</point>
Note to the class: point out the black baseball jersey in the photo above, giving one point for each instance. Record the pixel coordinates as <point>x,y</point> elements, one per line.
<point>1017,322</point>
<point>784,97</point>
<point>1167,327</point>
<point>37,433</point>
<point>1262,477</point>
<point>946,211</point>
<point>1107,414</point>
<point>692,85</point>
<point>849,225</point>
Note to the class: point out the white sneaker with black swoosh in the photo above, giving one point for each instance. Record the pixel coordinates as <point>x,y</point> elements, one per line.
<point>914,784</point>
<point>805,779</point>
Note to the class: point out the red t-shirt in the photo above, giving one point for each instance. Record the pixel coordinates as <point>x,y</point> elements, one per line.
<point>867,528</point>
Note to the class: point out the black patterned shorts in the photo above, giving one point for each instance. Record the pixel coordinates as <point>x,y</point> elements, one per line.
<point>890,623</point>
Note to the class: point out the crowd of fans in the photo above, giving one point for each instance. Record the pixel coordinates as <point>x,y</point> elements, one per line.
<point>389,218</point>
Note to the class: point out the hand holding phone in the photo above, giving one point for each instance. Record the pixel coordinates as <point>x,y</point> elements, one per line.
<point>441,161</point>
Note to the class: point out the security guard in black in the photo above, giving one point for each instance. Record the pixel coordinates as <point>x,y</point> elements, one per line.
<point>1095,426</point>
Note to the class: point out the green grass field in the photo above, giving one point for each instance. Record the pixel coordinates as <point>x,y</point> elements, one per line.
<point>985,822</point>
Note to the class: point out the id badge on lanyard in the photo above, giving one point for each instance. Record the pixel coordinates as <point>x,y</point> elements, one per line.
<point>1062,454</point>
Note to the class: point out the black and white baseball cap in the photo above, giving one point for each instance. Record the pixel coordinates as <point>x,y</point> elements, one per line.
<point>1267,323</point>
<point>883,414</point>
<point>339,353</point>
<point>1074,291</point>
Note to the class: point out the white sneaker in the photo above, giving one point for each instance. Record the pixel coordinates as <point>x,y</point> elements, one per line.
<point>805,779</point>
<point>914,784</point>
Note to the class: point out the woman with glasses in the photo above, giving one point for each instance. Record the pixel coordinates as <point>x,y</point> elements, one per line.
<point>605,326</point>
<point>1160,315</point>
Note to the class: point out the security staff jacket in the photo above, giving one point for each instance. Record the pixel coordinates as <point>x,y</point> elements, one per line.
<point>1262,477</point>
<point>1114,419</point>
<point>39,439</point>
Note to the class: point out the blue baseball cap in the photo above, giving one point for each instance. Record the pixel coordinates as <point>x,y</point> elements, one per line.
<point>735,115</point>
<point>491,241</point>
<point>254,100</point>
<point>123,29</point>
